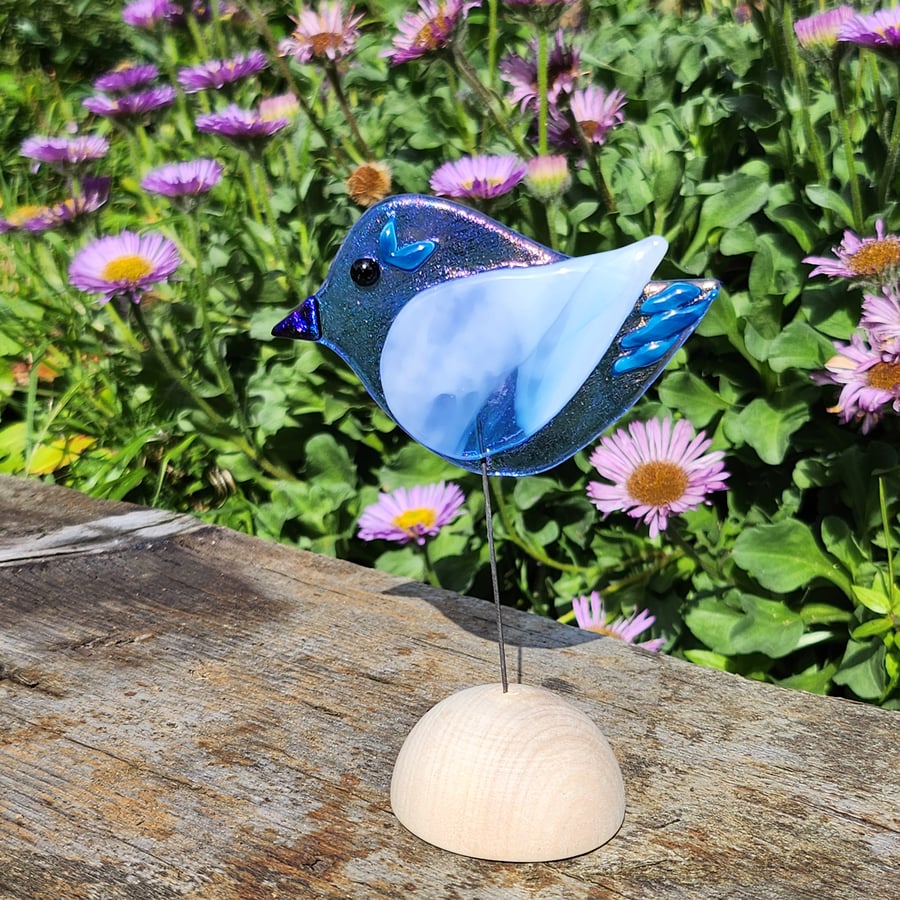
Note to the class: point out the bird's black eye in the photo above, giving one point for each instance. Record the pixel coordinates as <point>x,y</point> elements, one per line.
<point>365,272</point>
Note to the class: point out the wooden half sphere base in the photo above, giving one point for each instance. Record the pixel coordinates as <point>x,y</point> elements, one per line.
<point>520,776</point>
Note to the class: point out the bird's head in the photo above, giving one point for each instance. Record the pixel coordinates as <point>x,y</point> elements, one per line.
<point>397,249</point>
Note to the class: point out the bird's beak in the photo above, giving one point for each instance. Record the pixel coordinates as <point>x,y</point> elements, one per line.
<point>302,323</point>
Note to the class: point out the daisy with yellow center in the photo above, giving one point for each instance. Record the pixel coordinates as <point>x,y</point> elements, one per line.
<point>428,30</point>
<point>124,265</point>
<point>869,259</point>
<point>411,515</point>
<point>657,469</point>
<point>322,35</point>
<point>478,177</point>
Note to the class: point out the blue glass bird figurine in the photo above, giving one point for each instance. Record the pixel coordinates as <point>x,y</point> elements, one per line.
<point>488,348</point>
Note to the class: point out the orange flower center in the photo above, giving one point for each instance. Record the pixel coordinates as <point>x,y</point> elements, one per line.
<point>412,520</point>
<point>432,33</point>
<point>323,42</point>
<point>131,268</point>
<point>589,128</point>
<point>604,629</point>
<point>657,483</point>
<point>885,376</point>
<point>874,258</point>
<point>369,183</point>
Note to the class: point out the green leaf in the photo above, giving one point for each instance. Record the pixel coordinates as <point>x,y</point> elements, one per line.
<point>799,346</point>
<point>872,628</point>
<point>872,599</point>
<point>862,670</point>
<point>767,424</point>
<point>829,199</point>
<point>760,625</point>
<point>691,396</point>
<point>784,556</point>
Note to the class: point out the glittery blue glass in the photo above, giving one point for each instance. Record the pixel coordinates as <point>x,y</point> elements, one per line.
<point>485,345</point>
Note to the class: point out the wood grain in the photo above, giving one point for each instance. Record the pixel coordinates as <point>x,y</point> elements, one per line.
<point>198,713</point>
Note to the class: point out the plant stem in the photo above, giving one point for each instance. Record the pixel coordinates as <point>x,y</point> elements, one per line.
<point>542,65</point>
<point>470,76</point>
<point>218,420</point>
<point>799,73</point>
<point>338,88</point>
<point>844,125</point>
<point>887,177</point>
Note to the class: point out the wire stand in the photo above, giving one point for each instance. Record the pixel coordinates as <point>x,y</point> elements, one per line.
<point>495,583</point>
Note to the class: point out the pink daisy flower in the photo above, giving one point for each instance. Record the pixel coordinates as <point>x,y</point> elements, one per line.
<point>429,30</point>
<point>128,105</point>
<point>879,30</point>
<point>216,73</point>
<point>881,318</point>
<point>591,616</point>
<point>870,380</point>
<point>323,34</point>
<point>411,515</point>
<point>867,259</point>
<point>65,152</point>
<point>94,192</point>
<point>657,470</point>
<point>597,111</point>
<point>126,78</point>
<point>147,14</point>
<point>819,32</point>
<point>124,265</point>
<point>183,179</point>
<point>521,74</point>
<point>244,127</point>
<point>478,177</point>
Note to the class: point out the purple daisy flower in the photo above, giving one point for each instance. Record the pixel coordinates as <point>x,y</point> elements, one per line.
<point>591,616</point>
<point>870,382</point>
<point>874,259</point>
<point>657,470</point>
<point>183,179</point>
<point>148,14</point>
<point>411,515</point>
<point>129,105</point>
<point>93,194</point>
<point>323,34</point>
<point>478,177</point>
<point>522,73</point>
<point>879,30</point>
<point>244,127</point>
<point>819,33</point>
<point>430,29</point>
<point>126,78</point>
<point>216,73</point>
<point>881,318</point>
<point>124,265</point>
<point>65,152</point>
<point>22,217</point>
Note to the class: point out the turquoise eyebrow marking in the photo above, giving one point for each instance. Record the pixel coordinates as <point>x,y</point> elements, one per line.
<point>409,257</point>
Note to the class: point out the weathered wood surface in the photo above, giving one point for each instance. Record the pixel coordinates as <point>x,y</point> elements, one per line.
<point>189,712</point>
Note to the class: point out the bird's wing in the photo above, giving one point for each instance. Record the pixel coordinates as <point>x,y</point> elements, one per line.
<point>500,353</point>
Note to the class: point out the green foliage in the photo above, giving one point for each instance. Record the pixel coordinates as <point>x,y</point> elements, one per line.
<point>734,148</point>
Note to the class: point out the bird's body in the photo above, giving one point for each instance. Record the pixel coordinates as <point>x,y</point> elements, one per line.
<point>486,346</point>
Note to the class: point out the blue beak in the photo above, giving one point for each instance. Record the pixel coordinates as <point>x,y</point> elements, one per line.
<point>302,323</point>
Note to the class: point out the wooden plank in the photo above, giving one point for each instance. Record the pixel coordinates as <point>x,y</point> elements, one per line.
<point>203,714</point>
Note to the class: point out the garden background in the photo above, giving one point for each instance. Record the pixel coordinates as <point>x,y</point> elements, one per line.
<point>750,146</point>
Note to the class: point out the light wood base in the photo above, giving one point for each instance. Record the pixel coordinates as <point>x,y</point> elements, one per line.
<point>520,776</point>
